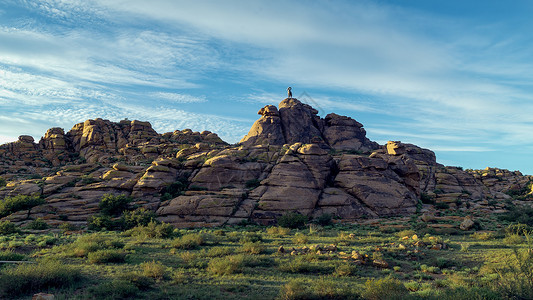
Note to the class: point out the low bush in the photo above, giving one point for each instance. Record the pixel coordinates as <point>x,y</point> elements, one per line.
<point>139,217</point>
<point>17,203</point>
<point>38,224</point>
<point>3,182</point>
<point>115,289</point>
<point>250,237</point>
<point>94,242</point>
<point>253,248</point>
<point>30,278</point>
<point>138,279</point>
<point>113,205</point>
<point>300,238</point>
<point>101,222</point>
<point>189,241</point>
<point>104,256</point>
<point>154,270</point>
<point>278,231</point>
<point>219,251</point>
<point>6,227</point>
<point>11,256</point>
<point>152,230</point>
<point>345,269</point>
<point>323,288</point>
<point>292,220</point>
<point>226,265</point>
<point>324,220</point>
<point>384,288</point>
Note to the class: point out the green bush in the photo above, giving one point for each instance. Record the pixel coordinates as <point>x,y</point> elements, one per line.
<point>11,256</point>
<point>17,203</point>
<point>189,241</point>
<point>115,289</point>
<point>106,256</point>
<point>139,217</point>
<point>174,189</point>
<point>253,248</point>
<point>30,278</point>
<point>226,265</point>
<point>292,220</point>
<point>38,224</point>
<point>300,239</point>
<point>384,288</point>
<point>278,231</point>
<point>138,279</point>
<point>113,205</point>
<point>154,270</point>
<point>322,288</point>
<point>90,243</point>
<point>6,227</point>
<point>152,230</point>
<point>3,182</point>
<point>522,215</point>
<point>324,220</point>
<point>101,222</point>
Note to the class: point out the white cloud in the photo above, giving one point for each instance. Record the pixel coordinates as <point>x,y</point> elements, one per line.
<point>179,98</point>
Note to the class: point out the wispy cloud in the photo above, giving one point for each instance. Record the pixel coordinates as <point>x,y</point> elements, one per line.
<point>178,98</point>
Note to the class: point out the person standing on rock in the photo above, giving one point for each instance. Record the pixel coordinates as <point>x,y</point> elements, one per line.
<point>289,93</point>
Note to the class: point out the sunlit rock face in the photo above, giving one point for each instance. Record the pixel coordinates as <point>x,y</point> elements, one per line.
<point>291,160</point>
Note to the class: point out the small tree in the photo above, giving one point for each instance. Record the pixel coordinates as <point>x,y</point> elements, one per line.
<point>113,205</point>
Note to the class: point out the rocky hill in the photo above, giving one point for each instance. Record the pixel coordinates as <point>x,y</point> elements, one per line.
<point>291,160</point>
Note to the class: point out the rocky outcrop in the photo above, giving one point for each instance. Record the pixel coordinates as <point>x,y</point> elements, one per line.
<point>296,122</point>
<point>291,160</point>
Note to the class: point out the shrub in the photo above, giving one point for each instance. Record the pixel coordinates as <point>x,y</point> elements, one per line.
<point>31,278</point>
<point>139,217</point>
<point>11,256</point>
<point>253,248</point>
<point>323,288</point>
<point>225,265</point>
<point>513,239</point>
<point>384,288</point>
<point>116,289</point>
<point>292,220</point>
<point>154,270</point>
<point>298,264</point>
<point>219,251</point>
<point>138,279</point>
<point>100,222</point>
<point>174,189</point>
<point>94,242</point>
<point>189,241</point>
<point>279,231</point>
<point>66,226</point>
<point>38,224</point>
<point>106,256</point>
<point>6,227</point>
<point>523,215</point>
<point>405,233</point>
<point>345,269</point>
<point>300,238</point>
<point>113,205</point>
<point>324,220</point>
<point>17,203</point>
<point>250,237</point>
<point>3,182</point>
<point>152,230</point>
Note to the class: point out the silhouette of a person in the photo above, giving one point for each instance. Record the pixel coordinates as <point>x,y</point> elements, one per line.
<point>289,93</point>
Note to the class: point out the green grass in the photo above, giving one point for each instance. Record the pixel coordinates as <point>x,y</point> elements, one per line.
<point>244,262</point>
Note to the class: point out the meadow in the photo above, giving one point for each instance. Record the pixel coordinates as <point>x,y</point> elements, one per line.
<point>386,259</point>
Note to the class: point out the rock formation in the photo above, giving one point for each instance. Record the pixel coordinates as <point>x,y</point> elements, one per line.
<point>291,160</point>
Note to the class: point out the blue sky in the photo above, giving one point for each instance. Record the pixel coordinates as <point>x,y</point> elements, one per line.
<point>452,76</point>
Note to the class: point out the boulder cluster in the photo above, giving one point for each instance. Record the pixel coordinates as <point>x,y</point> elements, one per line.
<point>292,160</point>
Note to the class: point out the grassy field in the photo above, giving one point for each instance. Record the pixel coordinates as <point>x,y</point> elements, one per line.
<point>393,259</point>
